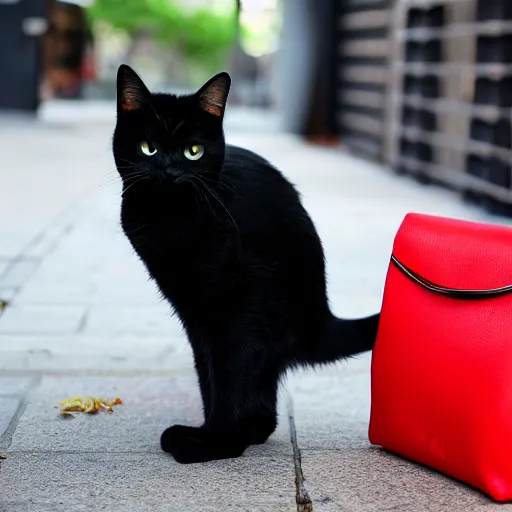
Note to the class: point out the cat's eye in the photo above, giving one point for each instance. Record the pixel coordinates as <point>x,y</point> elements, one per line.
<point>147,148</point>
<point>194,152</point>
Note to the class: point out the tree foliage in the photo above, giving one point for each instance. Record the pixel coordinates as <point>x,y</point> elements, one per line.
<point>203,35</point>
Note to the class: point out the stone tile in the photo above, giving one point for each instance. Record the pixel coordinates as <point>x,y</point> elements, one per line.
<point>41,247</point>
<point>119,295</point>
<point>69,270</point>
<point>89,345</point>
<point>55,293</point>
<point>13,242</point>
<point>68,353</point>
<point>14,385</point>
<point>351,279</point>
<point>41,320</point>
<point>8,408</point>
<point>150,406</point>
<point>346,388</point>
<point>7,293</point>
<point>4,264</point>
<point>343,471</point>
<point>118,321</point>
<point>355,306</point>
<point>131,278</point>
<point>18,273</point>
<point>139,482</point>
<point>367,479</point>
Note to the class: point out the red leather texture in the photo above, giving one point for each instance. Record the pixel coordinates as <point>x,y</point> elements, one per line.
<point>442,366</point>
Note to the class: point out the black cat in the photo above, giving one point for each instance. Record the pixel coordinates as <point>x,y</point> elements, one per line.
<point>226,239</point>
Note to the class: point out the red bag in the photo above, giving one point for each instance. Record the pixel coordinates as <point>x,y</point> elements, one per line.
<point>442,363</point>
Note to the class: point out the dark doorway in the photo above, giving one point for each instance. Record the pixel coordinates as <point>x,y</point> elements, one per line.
<point>22,25</point>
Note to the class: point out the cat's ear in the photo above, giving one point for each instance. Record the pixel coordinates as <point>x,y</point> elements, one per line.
<point>131,91</point>
<point>213,95</point>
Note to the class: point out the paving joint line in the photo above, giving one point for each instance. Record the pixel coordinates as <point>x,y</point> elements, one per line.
<point>302,497</point>
<point>83,320</point>
<point>63,222</point>
<point>118,373</point>
<point>6,437</point>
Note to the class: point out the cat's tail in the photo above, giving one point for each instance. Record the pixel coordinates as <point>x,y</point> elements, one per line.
<point>344,338</point>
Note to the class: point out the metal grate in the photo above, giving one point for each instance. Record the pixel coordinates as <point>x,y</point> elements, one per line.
<point>451,96</point>
<point>362,79</point>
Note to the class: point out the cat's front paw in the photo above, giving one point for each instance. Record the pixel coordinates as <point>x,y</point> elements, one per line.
<point>195,444</point>
<point>185,444</point>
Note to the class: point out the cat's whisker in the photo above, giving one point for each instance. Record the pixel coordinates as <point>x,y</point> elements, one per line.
<point>137,227</point>
<point>178,126</point>
<point>203,195</point>
<point>117,179</point>
<point>198,192</point>
<point>119,151</point>
<point>108,184</point>
<point>216,197</point>
<point>157,114</point>
<point>132,184</point>
<point>128,162</point>
<point>222,183</point>
<point>136,174</point>
<point>111,180</point>
<point>231,189</point>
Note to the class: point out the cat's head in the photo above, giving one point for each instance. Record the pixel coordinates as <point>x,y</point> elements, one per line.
<point>169,138</point>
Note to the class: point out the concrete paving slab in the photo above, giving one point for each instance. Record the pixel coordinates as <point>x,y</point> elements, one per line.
<point>344,472</point>
<point>42,320</point>
<point>345,421</point>
<point>76,353</point>
<point>133,481</point>
<point>18,272</point>
<point>8,408</point>
<point>15,385</point>
<point>355,305</point>
<point>7,294</point>
<point>129,295</point>
<point>4,263</point>
<point>64,161</point>
<point>79,272</point>
<point>118,321</point>
<point>368,479</point>
<point>150,406</point>
<point>55,293</point>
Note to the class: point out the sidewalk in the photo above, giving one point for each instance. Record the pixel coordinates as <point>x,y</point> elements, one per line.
<point>84,320</point>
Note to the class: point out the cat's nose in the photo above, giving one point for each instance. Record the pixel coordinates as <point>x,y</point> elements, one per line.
<point>172,173</point>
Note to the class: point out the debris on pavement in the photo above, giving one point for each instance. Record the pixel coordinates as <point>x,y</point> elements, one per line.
<point>89,405</point>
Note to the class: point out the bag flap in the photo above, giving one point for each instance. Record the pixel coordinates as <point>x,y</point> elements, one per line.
<point>455,255</point>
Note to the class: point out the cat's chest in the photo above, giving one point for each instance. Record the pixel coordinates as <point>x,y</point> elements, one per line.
<point>186,251</point>
<point>169,242</point>
<point>183,253</point>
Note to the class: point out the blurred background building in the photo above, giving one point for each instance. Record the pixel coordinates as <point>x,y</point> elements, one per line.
<point>422,86</point>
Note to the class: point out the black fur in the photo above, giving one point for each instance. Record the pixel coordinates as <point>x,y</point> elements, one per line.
<point>230,246</point>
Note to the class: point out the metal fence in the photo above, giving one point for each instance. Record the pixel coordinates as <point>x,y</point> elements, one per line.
<point>430,92</point>
<point>362,53</point>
